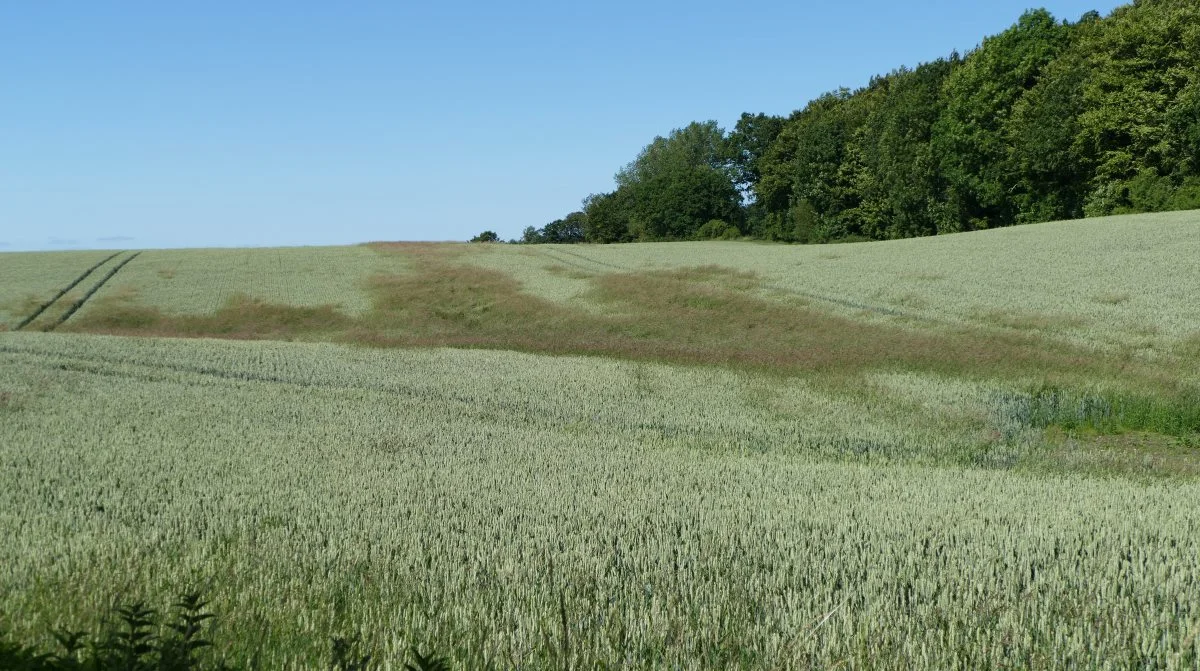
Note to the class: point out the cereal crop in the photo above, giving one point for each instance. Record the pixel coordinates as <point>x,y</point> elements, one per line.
<point>523,511</point>
<point>971,451</point>
<point>31,280</point>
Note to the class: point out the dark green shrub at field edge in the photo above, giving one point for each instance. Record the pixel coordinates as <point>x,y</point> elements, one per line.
<point>133,642</point>
<point>717,229</point>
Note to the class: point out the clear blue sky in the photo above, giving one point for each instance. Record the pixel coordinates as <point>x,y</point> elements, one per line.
<point>173,124</point>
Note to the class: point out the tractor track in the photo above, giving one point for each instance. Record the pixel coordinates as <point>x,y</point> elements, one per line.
<point>91,292</point>
<point>583,258</point>
<point>62,292</point>
<point>876,309</point>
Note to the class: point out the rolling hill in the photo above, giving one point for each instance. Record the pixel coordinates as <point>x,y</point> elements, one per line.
<point>974,450</point>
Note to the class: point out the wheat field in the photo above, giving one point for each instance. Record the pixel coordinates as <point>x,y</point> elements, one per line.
<point>976,451</point>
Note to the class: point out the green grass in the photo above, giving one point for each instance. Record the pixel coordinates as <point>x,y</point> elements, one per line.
<point>973,451</point>
<point>1114,411</point>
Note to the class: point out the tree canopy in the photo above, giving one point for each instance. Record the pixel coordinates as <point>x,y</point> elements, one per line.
<point>1046,120</point>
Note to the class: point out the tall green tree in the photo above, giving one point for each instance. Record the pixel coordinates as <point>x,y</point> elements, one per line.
<point>676,185</point>
<point>696,145</point>
<point>675,203</point>
<point>607,217</point>
<point>969,139</point>
<point>745,148</point>
<point>1139,104</point>
<point>899,181</point>
<point>569,229</point>
<point>808,174</point>
<point>1050,172</point>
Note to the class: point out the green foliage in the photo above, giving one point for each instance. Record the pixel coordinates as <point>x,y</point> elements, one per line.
<point>486,236</point>
<point>900,182</point>
<point>1139,100</point>
<point>673,204</point>
<point>1145,192</point>
<point>697,145</point>
<point>969,139</point>
<point>746,146</point>
<point>1116,411</point>
<point>1151,192</point>
<point>1186,196</point>
<point>1050,171</point>
<point>348,655</point>
<point>607,217</point>
<point>130,642</point>
<point>568,230</point>
<point>1184,123</point>
<point>717,229</point>
<point>133,642</point>
<point>531,236</point>
<point>676,185</point>
<point>813,161</point>
<point>1044,121</point>
<point>423,663</point>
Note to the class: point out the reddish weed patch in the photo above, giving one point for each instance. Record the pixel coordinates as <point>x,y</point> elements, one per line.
<point>241,317</point>
<point>704,315</point>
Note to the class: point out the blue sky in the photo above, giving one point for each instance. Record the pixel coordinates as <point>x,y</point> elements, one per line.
<point>180,124</point>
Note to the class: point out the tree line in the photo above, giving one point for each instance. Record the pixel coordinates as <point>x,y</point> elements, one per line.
<point>1047,120</point>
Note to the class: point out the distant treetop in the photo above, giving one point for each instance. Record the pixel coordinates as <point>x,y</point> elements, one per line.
<point>1047,120</point>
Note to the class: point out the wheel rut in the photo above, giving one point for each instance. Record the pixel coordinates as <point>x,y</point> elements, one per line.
<point>62,292</point>
<point>91,292</point>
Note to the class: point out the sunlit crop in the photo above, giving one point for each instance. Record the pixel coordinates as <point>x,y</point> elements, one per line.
<point>198,281</point>
<point>1125,282</point>
<point>29,279</point>
<point>523,511</point>
<point>970,451</point>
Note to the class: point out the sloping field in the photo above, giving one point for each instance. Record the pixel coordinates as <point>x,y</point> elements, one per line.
<point>202,281</point>
<point>1127,281</point>
<point>199,281</point>
<point>31,280</point>
<point>522,511</point>
<point>973,451</point>
<point>1123,284</point>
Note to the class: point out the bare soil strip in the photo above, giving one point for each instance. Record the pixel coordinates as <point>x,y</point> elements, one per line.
<point>79,303</point>
<point>62,292</point>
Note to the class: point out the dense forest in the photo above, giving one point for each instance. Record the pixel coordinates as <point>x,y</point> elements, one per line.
<point>1047,120</point>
